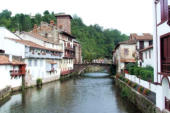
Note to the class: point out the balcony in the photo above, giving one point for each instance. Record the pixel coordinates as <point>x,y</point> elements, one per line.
<point>15,73</point>
<point>43,55</point>
<point>69,48</point>
<point>69,56</point>
<point>167,104</point>
<point>66,72</point>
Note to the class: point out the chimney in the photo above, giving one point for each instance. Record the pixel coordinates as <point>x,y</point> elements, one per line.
<point>64,22</point>
<point>10,58</point>
<point>52,22</point>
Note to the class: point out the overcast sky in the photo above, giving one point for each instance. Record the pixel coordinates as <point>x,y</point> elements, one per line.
<point>129,16</point>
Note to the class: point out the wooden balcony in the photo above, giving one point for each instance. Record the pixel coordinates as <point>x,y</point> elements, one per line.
<point>15,73</point>
<point>167,104</point>
<point>66,72</point>
<point>69,48</point>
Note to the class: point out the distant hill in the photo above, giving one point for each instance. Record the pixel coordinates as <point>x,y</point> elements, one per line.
<point>96,42</point>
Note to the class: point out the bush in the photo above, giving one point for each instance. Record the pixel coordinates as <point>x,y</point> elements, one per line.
<point>131,70</point>
<point>137,71</point>
<point>39,82</point>
<point>129,65</point>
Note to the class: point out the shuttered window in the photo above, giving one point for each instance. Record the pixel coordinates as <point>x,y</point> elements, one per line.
<point>164,10</point>
<point>165,54</point>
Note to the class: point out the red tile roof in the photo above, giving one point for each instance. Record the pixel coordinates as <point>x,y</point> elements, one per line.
<point>32,44</point>
<point>127,60</point>
<point>4,60</point>
<point>150,47</point>
<point>145,36</point>
<point>129,42</point>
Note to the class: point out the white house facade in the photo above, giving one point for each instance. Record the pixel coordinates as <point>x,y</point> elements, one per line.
<point>147,58</point>
<point>162,52</point>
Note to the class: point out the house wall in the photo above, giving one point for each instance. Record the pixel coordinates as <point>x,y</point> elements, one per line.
<point>9,46</point>
<point>147,61</point>
<point>146,44</point>
<point>6,79</point>
<point>131,49</point>
<point>158,32</point>
<point>38,68</point>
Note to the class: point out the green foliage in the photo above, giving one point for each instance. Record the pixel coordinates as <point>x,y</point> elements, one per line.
<point>39,82</point>
<point>96,42</point>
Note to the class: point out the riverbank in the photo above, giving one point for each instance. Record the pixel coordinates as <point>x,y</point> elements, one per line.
<point>96,95</point>
<point>139,100</point>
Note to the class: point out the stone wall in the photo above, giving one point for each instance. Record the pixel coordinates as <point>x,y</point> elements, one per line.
<point>5,93</point>
<point>140,101</point>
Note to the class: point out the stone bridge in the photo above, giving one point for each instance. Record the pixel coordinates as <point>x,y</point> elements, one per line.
<point>80,68</point>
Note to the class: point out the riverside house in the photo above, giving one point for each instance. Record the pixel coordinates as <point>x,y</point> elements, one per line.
<point>162,52</point>
<point>124,53</point>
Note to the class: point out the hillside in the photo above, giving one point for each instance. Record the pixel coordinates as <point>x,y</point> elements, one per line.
<point>96,42</point>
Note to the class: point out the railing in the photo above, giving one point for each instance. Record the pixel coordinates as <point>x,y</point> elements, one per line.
<point>167,104</point>
<point>69,56</point>
<point>15,73</point>
<point>66,72</point>
<point>69,48</point>
<point>43,55</point>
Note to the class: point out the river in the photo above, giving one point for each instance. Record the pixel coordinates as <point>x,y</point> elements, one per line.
<point>92,93</point>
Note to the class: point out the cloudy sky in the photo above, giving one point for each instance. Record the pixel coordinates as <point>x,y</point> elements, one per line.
<point>129,16</point>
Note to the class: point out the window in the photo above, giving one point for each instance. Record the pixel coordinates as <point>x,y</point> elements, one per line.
<point>126,51</point>
<point>149,54</point>
<point>164,10</point>
<point>41,63</point>
<point>146,55</point>
<point>30,62</point>
<point>165,54</point>
<point>150,42</point>
<point>141,44</point>
<point>35,63</point>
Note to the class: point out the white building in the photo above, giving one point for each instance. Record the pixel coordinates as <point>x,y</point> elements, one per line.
<point>162,52</point>
<point>12,71</point>
<point>147,57</point>
<point>124,53</point>
<point>41,62</point>
<point>143,41</point>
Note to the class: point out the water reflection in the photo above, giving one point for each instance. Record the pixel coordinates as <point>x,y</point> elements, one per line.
<point>81,95</point>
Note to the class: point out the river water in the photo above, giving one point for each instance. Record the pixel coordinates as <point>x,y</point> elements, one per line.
<point>93,93</point>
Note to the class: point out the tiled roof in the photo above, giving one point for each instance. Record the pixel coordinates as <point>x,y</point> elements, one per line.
<point>127,60</point>
<point>130,42</point>
<point>32,44</point>
<point>150,47</point>
<point>144,36</point>
<point>38,36</point>
<point>4,60</point>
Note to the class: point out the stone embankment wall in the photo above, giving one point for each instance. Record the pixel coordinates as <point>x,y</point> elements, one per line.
<point>140,101</point>
<point>5,93</point>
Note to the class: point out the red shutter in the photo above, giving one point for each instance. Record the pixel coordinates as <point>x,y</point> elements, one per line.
<point>164,10</point>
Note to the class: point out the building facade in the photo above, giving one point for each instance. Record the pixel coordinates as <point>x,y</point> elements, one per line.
<point>124,53</point>
<point>147,57</point>
<point>162,52</point>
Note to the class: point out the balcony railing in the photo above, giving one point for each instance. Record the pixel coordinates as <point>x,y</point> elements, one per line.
<point>43,55</point>
<point>69,48</point>
<point>69,56</point>
<point>15,73</point>
<point>167,104</point>
<point>66,72</point>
